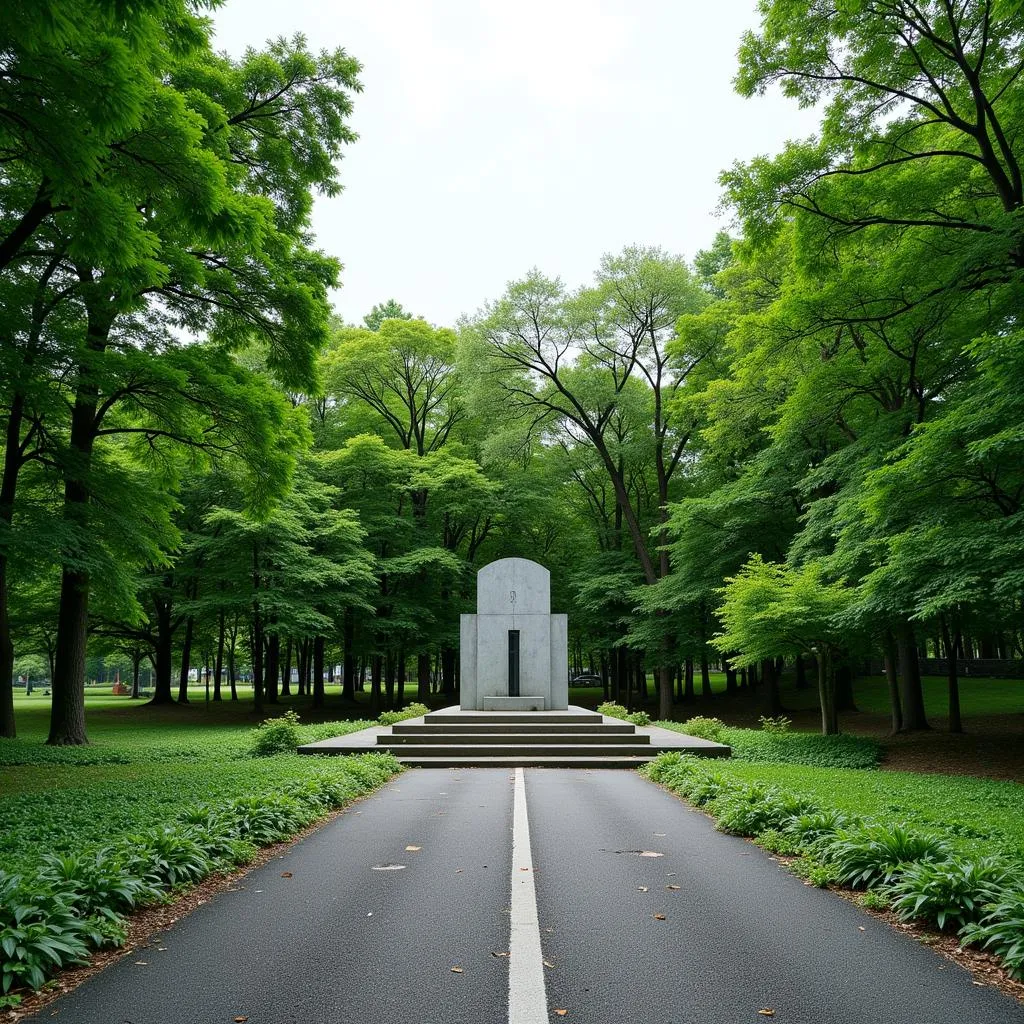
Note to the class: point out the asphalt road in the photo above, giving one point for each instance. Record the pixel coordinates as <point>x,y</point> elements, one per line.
<point>740,934</point>
<point>339,942</point>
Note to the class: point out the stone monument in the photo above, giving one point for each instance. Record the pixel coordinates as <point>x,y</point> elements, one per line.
<point>514,652</point>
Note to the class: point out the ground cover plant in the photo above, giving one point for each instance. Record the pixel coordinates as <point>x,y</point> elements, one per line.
<point>87,834</point>
<point>779,745</point>
<point>947,851</point>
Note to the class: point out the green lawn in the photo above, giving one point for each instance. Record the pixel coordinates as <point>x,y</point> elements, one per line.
<point>145,766</point>
<point>978,695</point>
<point>978,816</point>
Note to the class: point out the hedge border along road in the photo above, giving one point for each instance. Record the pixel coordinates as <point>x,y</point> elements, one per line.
<point>971,885</point>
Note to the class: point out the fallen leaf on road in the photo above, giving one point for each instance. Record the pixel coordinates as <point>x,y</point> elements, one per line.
<point>524,869</point>
<point>547,963</point>
<point>980,984</point>
<point>766,1012</point>
<point>413,849</point>
<point>458,871</point>
<point>456,970</point>
<point>672,887</point>
<point>549,929</point>
<point>650,853</point>
<point>239,1020</point>
<point>141,963</point>
<point>860,927</point>
<point>388,867</point>
<point>659,917</point>
<point>286,874</point>
<point>561,1013</point>
<point>641,888</point>
<point>500,954</point>
<point>660,835</point>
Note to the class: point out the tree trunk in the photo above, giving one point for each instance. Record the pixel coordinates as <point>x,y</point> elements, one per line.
<point>955,722</point>
<point>705,673</point>
<point>136,665</point>
<point>801,673</point>
<point>620,687</point>
<point>730,678</point>
<point>232,674</point>
<point>826,694</point>
<point>423,678</point>
<point>688,693</point>
<point>844,687</point>
<point>286,671</point>
<point>448,671</point>
<point>218,662</point>
<point>376,664</point>
<point>348,657</point>
<point>389,681</point>
<point>318,672</point>
<point>402,678</point>
<point>272,667</point>
<point>257,636</point>
<point>910,680</point>
<point>67,710</point>
<point>771,702</point>
<point>186,661</point>
<point>163,661</point>
<point>895,706</point>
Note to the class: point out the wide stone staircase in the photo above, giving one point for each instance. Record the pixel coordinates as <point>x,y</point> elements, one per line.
<point>575,738</point>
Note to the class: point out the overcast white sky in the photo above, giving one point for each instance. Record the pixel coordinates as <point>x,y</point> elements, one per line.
<point>498,136</point>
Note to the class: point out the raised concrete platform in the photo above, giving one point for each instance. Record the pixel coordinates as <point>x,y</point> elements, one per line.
<point>574,738</point>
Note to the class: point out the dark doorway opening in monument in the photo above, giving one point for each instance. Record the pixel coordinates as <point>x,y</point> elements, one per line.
<point>513,662</point>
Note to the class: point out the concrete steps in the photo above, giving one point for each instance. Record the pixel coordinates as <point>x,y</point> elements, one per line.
<point>499,737</point>
<point>575,738</point>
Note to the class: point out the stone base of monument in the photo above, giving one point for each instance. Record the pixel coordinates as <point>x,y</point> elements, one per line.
<point>513,703</point>
<point>573,738</point>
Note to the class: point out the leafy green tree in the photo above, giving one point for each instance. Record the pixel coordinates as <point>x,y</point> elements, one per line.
<point>390,310</point>
<point>920,130</point>
<point>404,370</point>
<point>572,366</point>
<point>773,609</point>
<point>225,254</point>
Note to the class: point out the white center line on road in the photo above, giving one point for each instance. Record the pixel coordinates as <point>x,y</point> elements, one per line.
<point>527,1001</point>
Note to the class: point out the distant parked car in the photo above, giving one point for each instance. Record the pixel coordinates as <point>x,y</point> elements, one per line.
<point>585,679</point>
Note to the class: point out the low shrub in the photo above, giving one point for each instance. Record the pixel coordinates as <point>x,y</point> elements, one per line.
<point>811,827</point>
<point>96,882</point>
<point>872,853</point>
<point>776,726</point>
<point>41,932</point>
<point>168,856</point>
<point>1001,929</point>
<point>952,891</point>
<point>704,728</point>
<point>783,747</point>
<point>409,711</point>
<point>612,710</point>
<point>775,841</point>
<point>747,810</point>
<point>639,718</point>
<point>874,899</point>
<point>814,871</point>
<point>277,735</point>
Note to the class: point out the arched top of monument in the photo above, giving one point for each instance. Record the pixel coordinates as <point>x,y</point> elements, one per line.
<point>513,586</point>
